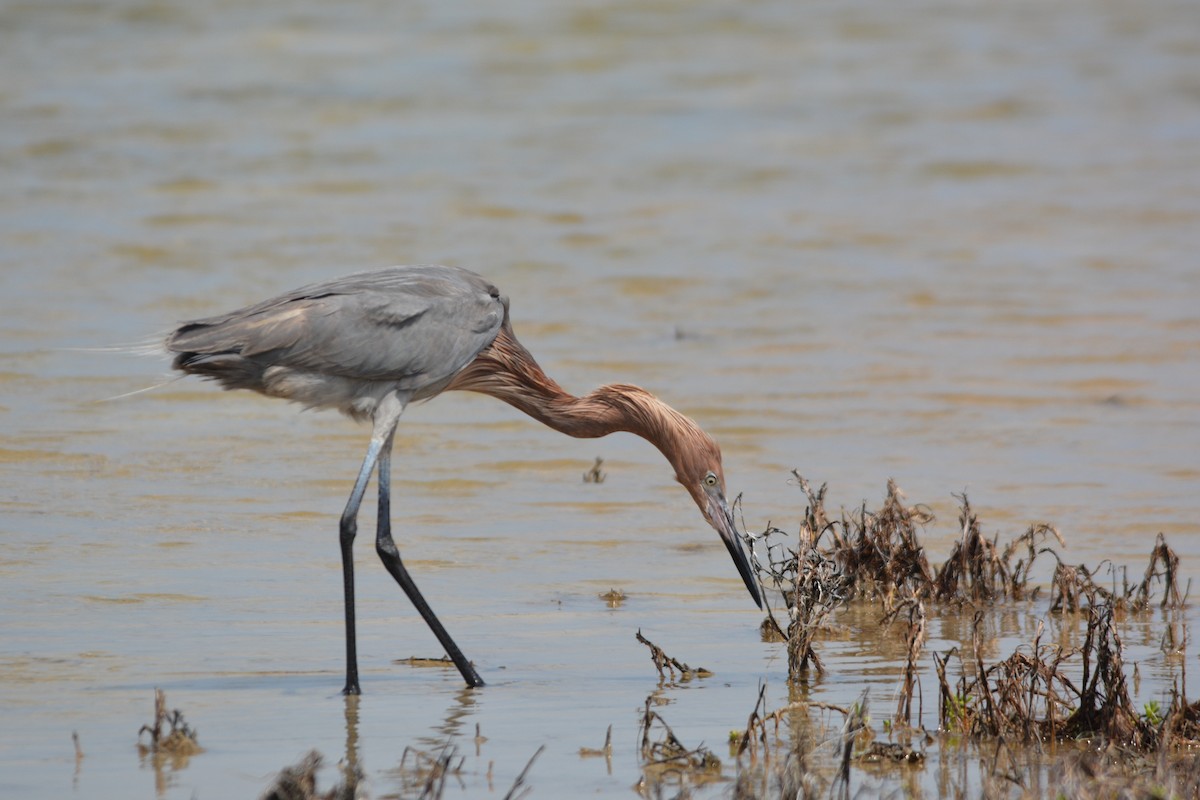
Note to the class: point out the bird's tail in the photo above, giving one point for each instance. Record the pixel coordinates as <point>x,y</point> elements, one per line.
<point>150,347</point>
<point>231,370</point>
<point>169,379</point>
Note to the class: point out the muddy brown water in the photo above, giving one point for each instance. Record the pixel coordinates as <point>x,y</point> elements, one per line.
<point>953,244</point>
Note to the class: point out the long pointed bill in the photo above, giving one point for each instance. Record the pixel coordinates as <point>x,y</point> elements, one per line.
<point>722,520</point>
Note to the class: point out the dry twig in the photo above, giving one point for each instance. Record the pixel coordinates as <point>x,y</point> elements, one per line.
<point>661,660</point>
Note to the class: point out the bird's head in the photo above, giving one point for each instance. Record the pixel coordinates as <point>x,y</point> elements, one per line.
<point>692,452</point>
<point>697,461</point>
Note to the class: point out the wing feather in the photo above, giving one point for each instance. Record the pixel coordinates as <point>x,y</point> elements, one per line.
<point>414,327</point>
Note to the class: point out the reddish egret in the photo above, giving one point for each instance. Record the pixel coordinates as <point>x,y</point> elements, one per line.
<point>369,344</point>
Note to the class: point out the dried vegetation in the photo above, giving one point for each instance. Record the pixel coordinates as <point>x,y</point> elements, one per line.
<point>169,734</point>
<point>169,743</point>
<point>299,782</point>
<point>1043,692</point>
<point>668,666</point>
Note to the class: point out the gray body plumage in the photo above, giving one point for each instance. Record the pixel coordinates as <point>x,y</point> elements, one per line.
<point>348,342</point>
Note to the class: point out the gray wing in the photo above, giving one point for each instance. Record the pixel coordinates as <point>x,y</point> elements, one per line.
<point>413,327</point>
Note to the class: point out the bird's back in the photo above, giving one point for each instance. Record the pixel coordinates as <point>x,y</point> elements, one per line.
<point>346,342</point>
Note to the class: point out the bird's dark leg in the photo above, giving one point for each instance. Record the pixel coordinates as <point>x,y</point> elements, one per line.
<point>390,555</point>
<point>386,417</point>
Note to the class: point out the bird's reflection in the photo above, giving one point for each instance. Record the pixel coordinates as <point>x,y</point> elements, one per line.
<point>350,761</point>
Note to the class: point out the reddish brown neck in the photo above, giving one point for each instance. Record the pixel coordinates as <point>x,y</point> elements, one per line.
<point>507,371</point>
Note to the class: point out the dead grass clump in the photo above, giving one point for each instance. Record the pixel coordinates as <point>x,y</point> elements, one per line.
<point>879,551</point>
<point>813,587</point>
<point>915,641</point>
<point>878,555</point>
<point>668,751</point>
<point>1025,697</point>
<point>299,782</point>
<point>1104,705</point>
<point>1075,588</point>
<point>595,474</point>
<point>178,742</point>
<point>665,759</point>
<point>170,744</point>
<point>1182,724</point>
<point>613,598</point>
<point>819,588</point>
<point>978,571</point>
<point>811,582</point>
<point>1030,697</point>
<point>1072,586</point>
<point>1164,567</point>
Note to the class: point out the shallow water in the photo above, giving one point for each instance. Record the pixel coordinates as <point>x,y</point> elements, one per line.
<point>949,244</point>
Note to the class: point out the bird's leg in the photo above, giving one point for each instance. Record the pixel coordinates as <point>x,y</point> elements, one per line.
<point>386,417</point>
<point>390,555</point>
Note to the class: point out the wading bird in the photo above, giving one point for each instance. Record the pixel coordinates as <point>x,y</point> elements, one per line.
<point>370,343</point>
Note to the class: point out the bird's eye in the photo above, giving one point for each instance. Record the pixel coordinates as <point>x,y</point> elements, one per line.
<point>710,479</point>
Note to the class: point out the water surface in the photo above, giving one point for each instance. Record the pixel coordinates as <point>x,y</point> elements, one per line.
<point>952,244</point>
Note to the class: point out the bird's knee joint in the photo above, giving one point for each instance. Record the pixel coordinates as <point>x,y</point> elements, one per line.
<point>348,530</point>
<point>386,548</point>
